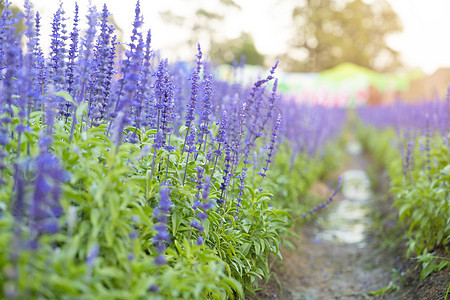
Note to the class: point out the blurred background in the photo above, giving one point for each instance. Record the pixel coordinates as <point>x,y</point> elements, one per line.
<point>331,52</point>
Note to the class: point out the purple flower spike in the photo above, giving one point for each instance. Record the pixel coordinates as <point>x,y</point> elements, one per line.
<point>162,237</point>
<point>102,69</point>
<point>205,118</point>
<point>195,78</point>
<point>153,288</point>
<point>58,51</point>
<point>160,260</point>
<point>71,70</point>
<point>273,140</point>
<point>323,205</point>
<point>92,255</point>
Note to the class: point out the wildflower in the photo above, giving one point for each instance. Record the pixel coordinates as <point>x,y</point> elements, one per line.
<point>71,70</point>
<point>221,139</point>
<point>10,58</point>
<point>102,69</point>
<point>168,102</point>
<point>241,178</point>
<point>131,66</point>
<point>273,140</point>
<point>57,49</point>
<point>143,92</point>
<point>226,173</point>
<point>39,65</point>
<point>205,205</point>
<point>162,237</point>
<point>117,129</point>
<point>323,205</point>
<point>45,209</point>
<point>92,256</point>
<point>133,234</point>
<point>205,118</point>
<point>190,144</point>
<point>27,79</point>
<point>153,288</point>
<point>195,78</point>
<point>85,53</point>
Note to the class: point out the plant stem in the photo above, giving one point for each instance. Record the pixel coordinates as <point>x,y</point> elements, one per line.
<point>185,169</point>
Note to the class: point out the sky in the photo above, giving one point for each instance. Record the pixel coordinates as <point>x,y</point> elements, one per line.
<point>424,42</point>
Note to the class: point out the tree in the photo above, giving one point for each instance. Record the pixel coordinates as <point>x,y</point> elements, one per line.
<point>329,32</point>
<point>20,27</point>
<point>233,49</point>
<point>206,24</point>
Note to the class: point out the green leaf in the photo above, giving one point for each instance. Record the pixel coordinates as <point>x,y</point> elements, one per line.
<point>182,130</point>
<point>112,272</point>
<point>427,270</point>
<point>246,227</point>
<point>252,192</point>
<point>245,248</point>
<point>206,225</point>
<point>65,95</point>
<point>109,236</point>
<point>385,290</point>
<point>235,285</point>
<point>66,285</point>
<point>81,108</point>
<point>257,247</point>
<point>264,195</point>
<point>176,221</point>
<point>443,264</point>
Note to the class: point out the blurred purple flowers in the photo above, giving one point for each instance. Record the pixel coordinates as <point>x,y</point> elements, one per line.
<point>161,212</point>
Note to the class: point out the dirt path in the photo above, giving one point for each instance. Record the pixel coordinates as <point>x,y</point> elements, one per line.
<point>335,256</point>
<point>340,254</point>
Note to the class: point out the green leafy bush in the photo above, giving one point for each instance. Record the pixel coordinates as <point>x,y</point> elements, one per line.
<point>419,172</point>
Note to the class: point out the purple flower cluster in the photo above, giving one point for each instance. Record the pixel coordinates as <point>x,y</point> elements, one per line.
<point>273,140</point>
<point>162,237</point>
<point>71,71</point>
<point>57,62</point>
<point>195,78</point>
<point>201,206</point>
<point>310,128</point>
<point>44,210</point>
<point>413,117</point>
<point>411,123</point>
<point>205,115</point>
<point>102,70</point>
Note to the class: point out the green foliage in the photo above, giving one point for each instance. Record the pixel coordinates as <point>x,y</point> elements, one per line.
<point>292,176</point>
<point>421,191</point>
<point>448,290</point>
<point>431,263</point>
<point>423,198</point>
<point>393,286</point>
<point>110,195</point>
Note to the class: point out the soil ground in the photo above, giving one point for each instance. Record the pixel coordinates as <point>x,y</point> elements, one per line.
<point>319,268</point>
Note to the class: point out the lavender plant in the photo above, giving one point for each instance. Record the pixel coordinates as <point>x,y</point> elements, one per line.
<point>414,148</point>
<point>105,192</point>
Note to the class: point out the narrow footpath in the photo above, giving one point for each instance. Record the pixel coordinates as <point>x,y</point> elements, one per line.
<point>336,256</point>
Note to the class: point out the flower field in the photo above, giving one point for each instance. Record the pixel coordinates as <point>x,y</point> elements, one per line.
<point>124,175</point>
<point>127,177</point>
<point>415,149</point>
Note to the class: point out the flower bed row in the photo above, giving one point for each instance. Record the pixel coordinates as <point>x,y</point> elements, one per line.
<point>414,147</point>
<point>132,177</point>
